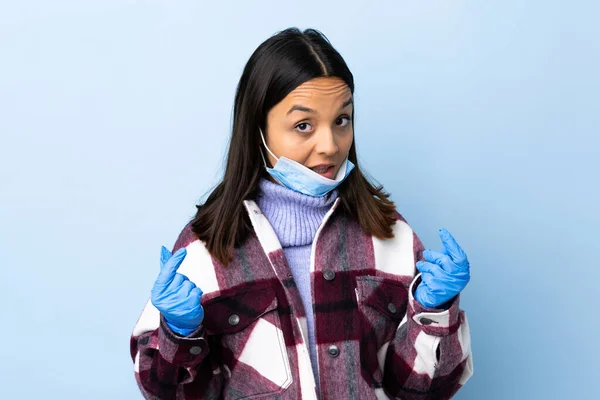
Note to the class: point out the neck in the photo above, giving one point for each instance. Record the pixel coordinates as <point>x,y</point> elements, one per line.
<point>295,217</point>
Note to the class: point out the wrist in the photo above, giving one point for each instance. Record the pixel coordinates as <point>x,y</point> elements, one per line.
<point>182,330</point>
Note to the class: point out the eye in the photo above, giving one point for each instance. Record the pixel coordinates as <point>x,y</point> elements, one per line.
<point>343,120</point>
<point>301,127</point>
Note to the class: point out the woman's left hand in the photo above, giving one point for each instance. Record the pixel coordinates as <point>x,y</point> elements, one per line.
<point>444,274</point>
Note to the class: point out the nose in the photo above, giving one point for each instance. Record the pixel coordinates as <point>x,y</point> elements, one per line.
<point>326,143</point>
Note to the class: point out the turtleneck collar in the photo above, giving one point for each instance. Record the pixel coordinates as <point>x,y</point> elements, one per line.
<point>295,217</point>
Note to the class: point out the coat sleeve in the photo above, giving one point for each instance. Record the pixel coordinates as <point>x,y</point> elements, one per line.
<point>170,366</point>
<point>430,354</point>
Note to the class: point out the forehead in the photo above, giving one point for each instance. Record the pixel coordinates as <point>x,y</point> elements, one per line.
<point>326,90</point>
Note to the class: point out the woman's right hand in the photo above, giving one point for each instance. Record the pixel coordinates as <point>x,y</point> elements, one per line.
<point>175,296</point>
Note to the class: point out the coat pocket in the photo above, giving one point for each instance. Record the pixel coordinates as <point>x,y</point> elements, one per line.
<point>382,304</point>
<point>246,338</point>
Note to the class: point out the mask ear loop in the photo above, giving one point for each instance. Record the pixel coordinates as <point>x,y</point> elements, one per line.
<point>270,152</point>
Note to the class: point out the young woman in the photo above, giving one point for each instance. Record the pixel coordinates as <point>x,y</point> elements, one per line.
<point>297,278</point>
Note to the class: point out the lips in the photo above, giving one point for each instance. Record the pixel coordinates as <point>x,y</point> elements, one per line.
<point>322,169</point>
<point>326,170</point>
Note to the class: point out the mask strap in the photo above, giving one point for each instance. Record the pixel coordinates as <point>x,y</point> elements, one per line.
<point>265,143</point>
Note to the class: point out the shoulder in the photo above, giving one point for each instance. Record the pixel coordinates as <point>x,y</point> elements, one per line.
<point>399,217</point>
<point>403,232</point>
<point>186,236</point>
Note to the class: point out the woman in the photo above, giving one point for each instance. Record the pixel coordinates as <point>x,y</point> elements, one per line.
<point>296,279</point>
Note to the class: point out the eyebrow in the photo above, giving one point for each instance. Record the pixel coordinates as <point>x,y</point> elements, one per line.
<point>310,110</point>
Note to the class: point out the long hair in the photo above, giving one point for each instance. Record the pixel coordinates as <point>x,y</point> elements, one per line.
<point>279,65</point>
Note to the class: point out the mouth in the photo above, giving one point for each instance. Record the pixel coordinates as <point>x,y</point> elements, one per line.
<point>325,170</point>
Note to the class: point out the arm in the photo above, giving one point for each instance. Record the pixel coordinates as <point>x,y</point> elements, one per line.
<point>170,366</point>
<point>172,359</point>
<point>430,355</point>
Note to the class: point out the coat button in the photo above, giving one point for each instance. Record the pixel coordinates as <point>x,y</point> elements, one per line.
<point>392,308</point>
<point>234,320</point>
<point>333,351</point>
<point>426,321</point>
<point>195,350</point>
<point>329,275</point>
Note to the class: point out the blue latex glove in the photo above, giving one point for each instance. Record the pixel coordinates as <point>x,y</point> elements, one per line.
<point>444,274</point>
<point>175,296</point>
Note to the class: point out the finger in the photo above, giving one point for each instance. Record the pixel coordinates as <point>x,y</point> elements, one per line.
<point>427,278</point>
<point>451,247</point>
<point>165,254</point>
<point>177,281</point>
<point>438,258</point>
<point>169,288</point>
<point>197,293</point>
<point>186,287</point>
<point>168,269</point>
<point>424,266</point>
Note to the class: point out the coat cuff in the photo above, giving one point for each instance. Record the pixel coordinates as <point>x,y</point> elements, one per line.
<point>186,351</point>
<point>433,321</point>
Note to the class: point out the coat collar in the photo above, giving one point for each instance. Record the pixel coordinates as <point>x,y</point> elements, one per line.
<point>264,231</point>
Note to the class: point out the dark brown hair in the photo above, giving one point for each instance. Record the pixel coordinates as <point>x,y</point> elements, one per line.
<point>279,65</point>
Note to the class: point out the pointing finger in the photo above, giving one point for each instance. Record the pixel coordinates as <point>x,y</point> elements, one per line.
<point>451,247</point>
<point>164,255</point>
<point>169,268</point>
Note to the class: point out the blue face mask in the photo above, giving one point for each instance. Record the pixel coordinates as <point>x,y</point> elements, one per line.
<point>296,176</point>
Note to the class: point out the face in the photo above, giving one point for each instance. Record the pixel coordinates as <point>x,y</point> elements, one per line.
<point>312,125</point>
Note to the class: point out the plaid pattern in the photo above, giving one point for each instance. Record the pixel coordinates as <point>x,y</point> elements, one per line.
<point>374,341</point>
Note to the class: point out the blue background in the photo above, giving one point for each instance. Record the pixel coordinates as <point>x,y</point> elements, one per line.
<point>478,116</point>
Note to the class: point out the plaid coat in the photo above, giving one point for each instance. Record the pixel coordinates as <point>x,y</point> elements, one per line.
<point>374,341</point>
